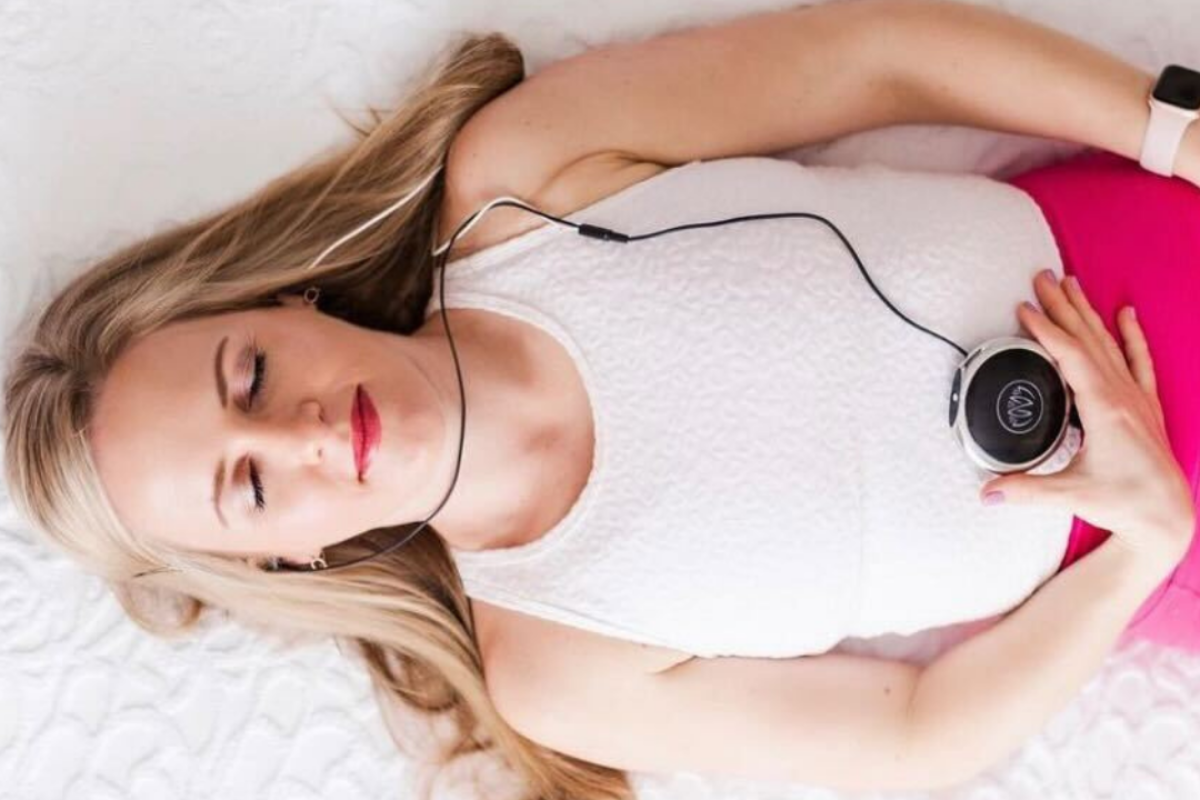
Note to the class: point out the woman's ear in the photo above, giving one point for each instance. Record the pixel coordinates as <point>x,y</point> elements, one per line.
<point>292,300</point>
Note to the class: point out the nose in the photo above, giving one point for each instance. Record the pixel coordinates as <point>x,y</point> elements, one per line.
<point>294,436</point>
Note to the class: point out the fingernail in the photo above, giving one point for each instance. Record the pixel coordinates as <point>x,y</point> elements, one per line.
<point>1132,313</point>
<point>993,498</point>
<point>1047,273</point>
<point>1029,305</point>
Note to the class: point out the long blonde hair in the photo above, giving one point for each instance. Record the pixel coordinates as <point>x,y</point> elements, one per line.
<point>405,614</point>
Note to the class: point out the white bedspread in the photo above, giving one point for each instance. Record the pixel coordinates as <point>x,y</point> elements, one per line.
<point>118,118</point>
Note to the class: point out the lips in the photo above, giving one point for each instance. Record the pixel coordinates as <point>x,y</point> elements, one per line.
<point>364,422</point>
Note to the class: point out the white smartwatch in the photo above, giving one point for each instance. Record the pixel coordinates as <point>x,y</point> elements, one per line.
<point>1174,104</point>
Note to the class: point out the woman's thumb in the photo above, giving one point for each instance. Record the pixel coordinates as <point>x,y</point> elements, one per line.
<point>1024,489</point>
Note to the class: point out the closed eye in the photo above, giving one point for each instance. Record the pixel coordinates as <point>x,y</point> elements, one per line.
<point>260,502</point>
<point>260,371</point>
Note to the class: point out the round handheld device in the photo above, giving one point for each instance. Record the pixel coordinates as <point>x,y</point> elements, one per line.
<point>1012,410</point>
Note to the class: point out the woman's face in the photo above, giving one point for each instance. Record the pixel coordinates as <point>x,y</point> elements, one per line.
<point>164,423</point>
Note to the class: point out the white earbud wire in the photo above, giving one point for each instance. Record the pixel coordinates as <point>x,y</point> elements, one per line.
<point>475,217</point>
<point>375,218</point>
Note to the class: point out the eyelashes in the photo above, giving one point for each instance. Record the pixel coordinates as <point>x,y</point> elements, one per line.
<point>260,503</point>
<point>260,371</point>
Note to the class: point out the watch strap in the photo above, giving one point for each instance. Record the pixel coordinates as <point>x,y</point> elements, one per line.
<point>1164,133</point>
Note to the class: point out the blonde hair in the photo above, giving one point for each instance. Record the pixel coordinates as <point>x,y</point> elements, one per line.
<point>404,614</point>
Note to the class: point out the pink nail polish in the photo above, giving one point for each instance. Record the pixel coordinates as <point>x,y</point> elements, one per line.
<point>993,498</point>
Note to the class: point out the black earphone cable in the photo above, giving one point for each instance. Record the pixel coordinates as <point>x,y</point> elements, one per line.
<point>439,265</point>
<point>607,234</point>
<point>594,232</point>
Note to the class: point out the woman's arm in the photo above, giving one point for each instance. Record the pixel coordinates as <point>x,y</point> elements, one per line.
<point>774,81</point>
<point>987,694</point>
<point>838,720</point>
<point>981,700</point>
<point>975,66</point>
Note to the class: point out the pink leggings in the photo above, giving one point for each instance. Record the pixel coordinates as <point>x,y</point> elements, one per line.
<point>1133,238</point>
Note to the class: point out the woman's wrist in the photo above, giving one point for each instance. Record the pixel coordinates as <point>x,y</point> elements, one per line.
<point>1155,557</point>
<point>1034,660</point>
<point>1187,161</point>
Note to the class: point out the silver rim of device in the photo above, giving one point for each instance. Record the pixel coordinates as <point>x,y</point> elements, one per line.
<point>970,365</point>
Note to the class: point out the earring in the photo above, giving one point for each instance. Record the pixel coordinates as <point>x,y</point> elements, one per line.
<point>311,294</point>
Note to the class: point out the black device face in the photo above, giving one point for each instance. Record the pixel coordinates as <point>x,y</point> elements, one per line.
<point>1015,406</point>
<point>1179,86</point>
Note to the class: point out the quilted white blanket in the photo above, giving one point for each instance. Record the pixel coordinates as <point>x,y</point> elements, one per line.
<point>121,117</point>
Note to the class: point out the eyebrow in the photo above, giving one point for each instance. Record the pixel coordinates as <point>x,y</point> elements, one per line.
<point>222,394</point>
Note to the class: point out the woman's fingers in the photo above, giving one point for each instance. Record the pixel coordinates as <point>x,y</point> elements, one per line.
<point>1064,310</point>
<point>1058,306</point>
<point>1091,360</point>
<point>1096,325</point>
<point>1141,362</point>
<point>1077,365</point>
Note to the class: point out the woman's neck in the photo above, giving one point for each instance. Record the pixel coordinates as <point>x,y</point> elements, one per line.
<point>515,431</point>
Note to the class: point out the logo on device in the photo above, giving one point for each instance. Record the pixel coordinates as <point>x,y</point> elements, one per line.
<point>1019,406</point>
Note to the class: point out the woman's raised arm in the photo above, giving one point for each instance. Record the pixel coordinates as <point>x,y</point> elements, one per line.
<point>969,65</point>
<point>774,81</point>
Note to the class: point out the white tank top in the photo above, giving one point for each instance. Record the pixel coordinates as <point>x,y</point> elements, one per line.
<point>773,468</point>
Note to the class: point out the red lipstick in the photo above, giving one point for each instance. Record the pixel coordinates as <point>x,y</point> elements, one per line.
<point>367,430</point>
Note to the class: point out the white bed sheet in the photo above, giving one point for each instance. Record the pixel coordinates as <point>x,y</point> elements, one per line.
<point>120,117</point>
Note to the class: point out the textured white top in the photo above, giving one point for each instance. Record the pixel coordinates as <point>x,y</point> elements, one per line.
<point>773,467</point>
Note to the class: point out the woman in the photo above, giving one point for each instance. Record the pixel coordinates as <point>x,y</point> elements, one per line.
<point>181,416</point>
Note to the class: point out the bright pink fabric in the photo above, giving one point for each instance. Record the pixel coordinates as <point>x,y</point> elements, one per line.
<point>1133,238</point>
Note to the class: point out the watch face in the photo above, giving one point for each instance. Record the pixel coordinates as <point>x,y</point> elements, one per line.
<point>1179,86</point>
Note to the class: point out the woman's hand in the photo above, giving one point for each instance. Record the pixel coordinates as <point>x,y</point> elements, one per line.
<point>1187,162</point>
<point>1125,478</point>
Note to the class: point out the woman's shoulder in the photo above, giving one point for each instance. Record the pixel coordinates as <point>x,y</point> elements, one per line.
<point>575,186</point>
